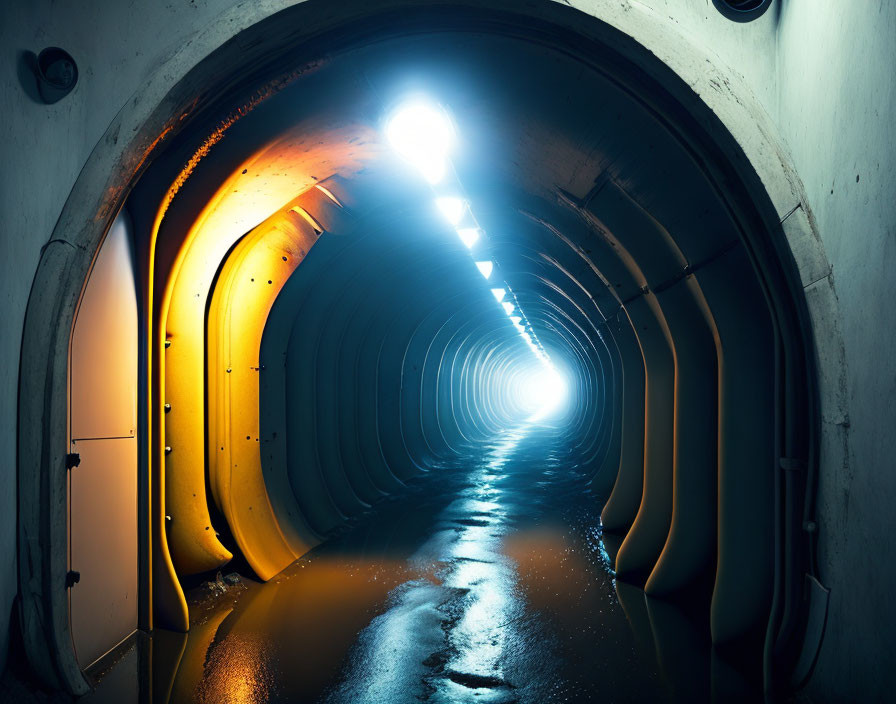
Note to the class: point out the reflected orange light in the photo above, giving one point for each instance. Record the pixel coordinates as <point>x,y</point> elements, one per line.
<point>259,186</point>
<point>238,671</point>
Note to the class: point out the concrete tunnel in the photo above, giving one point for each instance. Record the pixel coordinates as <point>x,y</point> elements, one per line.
<point>353,248</point>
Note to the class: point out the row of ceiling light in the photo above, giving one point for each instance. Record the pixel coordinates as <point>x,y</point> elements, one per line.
<point>423,135</point>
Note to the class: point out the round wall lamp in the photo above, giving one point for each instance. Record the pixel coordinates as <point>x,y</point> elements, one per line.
<point>742,10</point>
<point>57,74</point>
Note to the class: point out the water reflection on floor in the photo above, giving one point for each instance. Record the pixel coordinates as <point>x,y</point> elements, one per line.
<point>489,581</point>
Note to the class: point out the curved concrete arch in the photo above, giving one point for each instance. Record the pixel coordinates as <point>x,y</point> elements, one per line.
<point>716,118</point>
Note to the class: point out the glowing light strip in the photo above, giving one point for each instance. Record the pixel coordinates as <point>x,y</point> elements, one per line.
<point>452,208</point>
<point>469,236</point>
<point>424,136</point>
<point>485,268</point>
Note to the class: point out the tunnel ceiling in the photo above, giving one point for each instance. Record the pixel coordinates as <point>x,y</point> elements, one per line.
<point>377,349</point>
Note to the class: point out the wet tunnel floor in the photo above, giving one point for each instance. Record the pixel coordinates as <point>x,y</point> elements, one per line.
<point>487,581</point>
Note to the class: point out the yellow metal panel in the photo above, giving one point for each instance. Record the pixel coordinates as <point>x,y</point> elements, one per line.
<point>246,197</point>
<point>247,287</point>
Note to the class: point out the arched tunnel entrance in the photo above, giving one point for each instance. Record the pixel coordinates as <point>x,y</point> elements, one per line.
<point>585,305</point>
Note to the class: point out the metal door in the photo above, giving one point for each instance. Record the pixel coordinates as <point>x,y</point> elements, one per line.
<point>103,488</point>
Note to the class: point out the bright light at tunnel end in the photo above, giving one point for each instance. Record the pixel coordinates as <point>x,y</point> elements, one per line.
<point>542,393</point>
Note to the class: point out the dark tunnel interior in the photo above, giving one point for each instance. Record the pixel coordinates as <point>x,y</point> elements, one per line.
<point>425,268</point>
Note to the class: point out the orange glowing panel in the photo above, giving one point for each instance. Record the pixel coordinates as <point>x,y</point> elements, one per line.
<point>263,184</point>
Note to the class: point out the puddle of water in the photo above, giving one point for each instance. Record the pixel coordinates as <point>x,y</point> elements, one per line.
<point>489,582</point>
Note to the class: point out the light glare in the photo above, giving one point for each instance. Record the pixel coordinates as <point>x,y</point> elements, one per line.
<point>468,235</point>
<point>422,135</point>
<point>485,268</point>
<point>508,307</point>
<point>541,392</point>
<point>499,294</point>
<point>452,208</point>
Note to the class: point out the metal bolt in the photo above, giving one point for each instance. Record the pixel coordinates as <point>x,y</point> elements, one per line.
<point>167,344</point>
<point>167,450</point>
<point>167,407</point>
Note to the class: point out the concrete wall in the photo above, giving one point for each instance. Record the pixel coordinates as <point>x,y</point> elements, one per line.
<point>835,98</point>
<point>820,68</point>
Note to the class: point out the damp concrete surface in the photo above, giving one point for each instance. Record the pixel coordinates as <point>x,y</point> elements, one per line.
<point>489,580</point>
